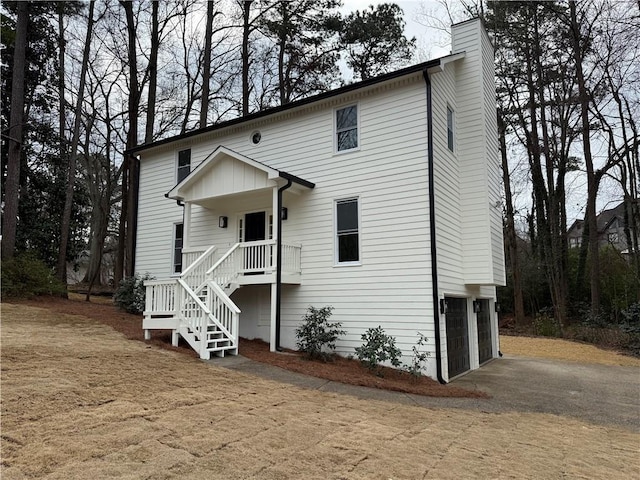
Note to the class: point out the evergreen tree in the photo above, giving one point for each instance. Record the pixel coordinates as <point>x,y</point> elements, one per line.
<point>374,40</point>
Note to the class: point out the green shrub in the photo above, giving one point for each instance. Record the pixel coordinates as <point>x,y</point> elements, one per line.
<point>378,347</point>
<point>546,326</point>
<point>26,276</point>
<point>419,359</point>
<point>316,334</point>
<point>131,292</point>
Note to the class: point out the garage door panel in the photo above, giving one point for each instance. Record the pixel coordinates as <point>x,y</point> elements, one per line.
<point>457,336</point>
<point>485,345</point>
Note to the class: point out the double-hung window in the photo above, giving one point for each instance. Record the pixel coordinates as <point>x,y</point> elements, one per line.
<point>450,124</point>
<point>184,164</point>
<point>178,239</point>
<point>347,128</point>
<point>347,231</point>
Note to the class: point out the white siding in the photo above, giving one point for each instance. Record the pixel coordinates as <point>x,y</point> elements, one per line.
<point>388,174</point>
<point>480,198</point>
<point>467,182</point>
<point>156,215</point>
<point>392,286</point>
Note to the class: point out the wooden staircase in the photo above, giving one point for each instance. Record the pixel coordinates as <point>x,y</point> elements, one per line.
<point>197,308</point>
<point>197,305</point>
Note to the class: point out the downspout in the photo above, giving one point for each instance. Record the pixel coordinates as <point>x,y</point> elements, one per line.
<point>432,229</point>
<point>134,227</point>
<point>279,262</point>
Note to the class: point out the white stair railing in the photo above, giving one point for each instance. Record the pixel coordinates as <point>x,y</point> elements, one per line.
<point>198,318</point>
<point>196,274</point>
<point>208,318</point>
<point>225,311</point>
<point>226,269</point>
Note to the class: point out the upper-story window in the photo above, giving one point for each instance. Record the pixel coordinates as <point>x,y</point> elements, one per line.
<point>347,231</point>
<point>347,128</point>
<point>184,164</point>
<point>450,119</point>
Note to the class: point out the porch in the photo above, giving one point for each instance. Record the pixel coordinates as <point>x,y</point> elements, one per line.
<point>196,305</point>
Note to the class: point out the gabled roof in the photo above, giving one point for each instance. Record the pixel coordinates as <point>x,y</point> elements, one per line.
<point>604,219</point>
<point>420,67</point>
<point>221,154</point>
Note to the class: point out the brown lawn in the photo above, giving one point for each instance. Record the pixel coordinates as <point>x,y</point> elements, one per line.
<point>80,400</point>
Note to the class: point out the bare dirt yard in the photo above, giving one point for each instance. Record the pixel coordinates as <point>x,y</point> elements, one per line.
<point>80,400</point>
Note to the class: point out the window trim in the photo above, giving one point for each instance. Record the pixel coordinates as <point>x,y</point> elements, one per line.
<point>335,128</point>
<point>177,164</point>
<point>173,249</point>
<point>336,252</point>
<point>451,139</point>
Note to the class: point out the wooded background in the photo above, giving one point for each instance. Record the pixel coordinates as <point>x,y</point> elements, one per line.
<point>84,81</point>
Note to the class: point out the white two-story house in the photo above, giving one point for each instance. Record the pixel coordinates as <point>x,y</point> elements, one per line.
<point>381,199</point>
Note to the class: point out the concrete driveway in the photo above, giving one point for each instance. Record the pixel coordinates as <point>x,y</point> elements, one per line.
<point>606,395</point>
<point>599,394</point>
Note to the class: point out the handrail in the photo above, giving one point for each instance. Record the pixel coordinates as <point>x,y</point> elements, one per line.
<point>198,261</point>
<point>223,258</point>
<point>206,310</point>
<point>152,283</point>
<point>223,296</point>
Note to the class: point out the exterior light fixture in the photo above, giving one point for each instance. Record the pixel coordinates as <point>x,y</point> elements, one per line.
<point>443,306</point>
<point>222,222</point>
<point>476,306</point>
<point>497,307</point>
<point>284,213</point>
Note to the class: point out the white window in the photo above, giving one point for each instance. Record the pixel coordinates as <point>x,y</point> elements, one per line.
<point>347,231</point>
<point>178,239</point>
<point>184,164</point>
<point>347,128</point>
<point>614,237</point>
<point>450,121</point>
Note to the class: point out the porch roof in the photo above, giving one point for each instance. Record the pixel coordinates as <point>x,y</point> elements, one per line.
<point>226,172</point>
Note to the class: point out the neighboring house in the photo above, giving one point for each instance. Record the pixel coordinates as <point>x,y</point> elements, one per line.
<point>611,224</point>
<point>77,269</point>
<point>380,199</point>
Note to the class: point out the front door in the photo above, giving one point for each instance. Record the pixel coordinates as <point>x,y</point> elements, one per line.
<point>485,345</point>
<point>255,257</point>
<point>457,336</point>
<point>254,226</point>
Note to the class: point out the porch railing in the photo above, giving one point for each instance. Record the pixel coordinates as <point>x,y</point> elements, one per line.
<point>160,297</point>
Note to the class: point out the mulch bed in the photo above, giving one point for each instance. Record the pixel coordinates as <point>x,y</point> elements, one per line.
<point>340,369</point>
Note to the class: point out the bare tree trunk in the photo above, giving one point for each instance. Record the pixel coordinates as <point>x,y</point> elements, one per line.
<point>282,46</point>
<point>131,193</point>
<point>206,67</point>
<point>246,29</point>
<point>16,120</point>
<point>510,230</point>
<point>153,74</point>
<point>592,183</point>
<point>68,204</point>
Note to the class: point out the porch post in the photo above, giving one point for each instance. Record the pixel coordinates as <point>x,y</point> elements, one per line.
<point>274,286</point>
<point>186,220</point>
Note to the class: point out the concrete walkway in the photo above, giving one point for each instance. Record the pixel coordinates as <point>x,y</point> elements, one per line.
<point>603,395</point>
